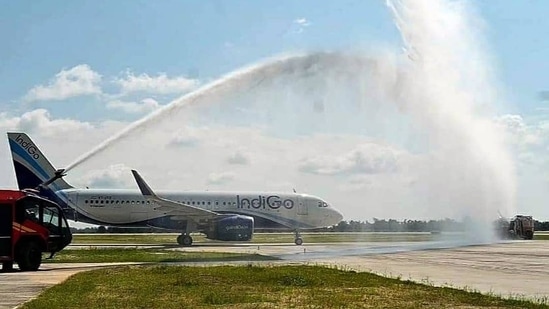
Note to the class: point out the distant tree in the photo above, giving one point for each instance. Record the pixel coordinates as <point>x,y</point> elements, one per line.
<point>541,226</point>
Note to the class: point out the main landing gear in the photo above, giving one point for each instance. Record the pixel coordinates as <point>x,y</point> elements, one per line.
<point>185,240</point>
<point>298,240</point>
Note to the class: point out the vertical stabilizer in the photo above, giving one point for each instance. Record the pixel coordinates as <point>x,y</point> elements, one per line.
<point>32,168</point>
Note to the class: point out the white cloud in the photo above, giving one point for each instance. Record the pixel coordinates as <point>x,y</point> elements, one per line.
<point>369,158</point>
<point>519,132</point>
<point>77,81</point>
<point>145,106</point>
<point>239,158</point>
<point>186,137</point>
<point>40,121</point>
<point>220,178</point>
<point>347,163</point>
<point>301,24</point>
<point>114,176</point>
<point>161,84</point>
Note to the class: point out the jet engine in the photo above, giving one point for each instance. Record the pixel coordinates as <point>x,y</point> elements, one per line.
<point>232,228</point>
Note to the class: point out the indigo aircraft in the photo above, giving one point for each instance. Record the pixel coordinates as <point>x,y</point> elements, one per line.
<point>227,216</point>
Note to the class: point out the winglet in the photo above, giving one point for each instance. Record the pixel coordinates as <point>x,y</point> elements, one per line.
<point>143,186</point>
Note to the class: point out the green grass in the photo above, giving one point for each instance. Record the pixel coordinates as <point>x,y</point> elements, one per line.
<point>114,255</point>
<point>253,287</point>
<point>543,236</point>
<point>161,238</point>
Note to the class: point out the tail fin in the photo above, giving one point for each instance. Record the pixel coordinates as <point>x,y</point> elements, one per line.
<point>31,166</point>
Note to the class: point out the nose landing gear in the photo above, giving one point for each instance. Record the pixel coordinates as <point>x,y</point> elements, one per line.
<point>298,240</point>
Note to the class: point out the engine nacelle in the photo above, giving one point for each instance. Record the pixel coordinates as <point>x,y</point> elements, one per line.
<point>233,228</point>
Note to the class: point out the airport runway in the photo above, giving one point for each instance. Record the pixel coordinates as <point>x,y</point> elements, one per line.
<point>514,268</point>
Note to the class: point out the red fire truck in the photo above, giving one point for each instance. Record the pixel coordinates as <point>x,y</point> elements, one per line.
<point>29,226</point>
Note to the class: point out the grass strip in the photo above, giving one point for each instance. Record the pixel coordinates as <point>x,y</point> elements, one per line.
<point>113,255</point>
<point>254,287</point>
<point>258,238</point>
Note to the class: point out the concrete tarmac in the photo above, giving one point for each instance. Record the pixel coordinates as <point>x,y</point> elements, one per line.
<point>519,268</point>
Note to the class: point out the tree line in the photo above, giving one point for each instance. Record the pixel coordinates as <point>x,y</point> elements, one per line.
<point>376,225</point>
<point>392,225</point>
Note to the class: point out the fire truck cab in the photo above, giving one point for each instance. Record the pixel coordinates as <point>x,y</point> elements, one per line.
<point>29,226</point>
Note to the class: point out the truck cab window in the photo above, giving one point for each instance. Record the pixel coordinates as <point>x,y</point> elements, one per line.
<point>27,208</point>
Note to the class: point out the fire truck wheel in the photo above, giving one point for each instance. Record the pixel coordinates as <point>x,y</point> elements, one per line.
<point>529,235</point>
<point>30,256</point>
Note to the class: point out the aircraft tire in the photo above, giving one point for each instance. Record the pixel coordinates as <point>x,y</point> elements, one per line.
<point>299,241</point>
<point>187,241</point>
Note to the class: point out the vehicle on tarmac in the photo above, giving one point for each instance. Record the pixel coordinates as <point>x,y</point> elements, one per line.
<point>29,226</point>
<point>518,227</point>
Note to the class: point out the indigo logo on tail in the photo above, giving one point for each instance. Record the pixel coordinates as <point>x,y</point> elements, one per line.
<point>28,146</point>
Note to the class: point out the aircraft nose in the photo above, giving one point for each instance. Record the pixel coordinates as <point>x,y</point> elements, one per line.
<point>335,216</point>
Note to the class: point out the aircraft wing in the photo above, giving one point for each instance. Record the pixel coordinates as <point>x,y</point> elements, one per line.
<point>172,208</point>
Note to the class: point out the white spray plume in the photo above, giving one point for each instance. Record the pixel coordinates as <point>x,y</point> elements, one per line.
<point>450,92</point>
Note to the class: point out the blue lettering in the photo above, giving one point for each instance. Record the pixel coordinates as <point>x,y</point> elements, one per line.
<point>29,147</point>
<point>256,203</point>
<point>288,204</point>
<point>271,201</point>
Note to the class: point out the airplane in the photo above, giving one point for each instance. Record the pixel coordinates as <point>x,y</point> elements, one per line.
<point>226,216</point>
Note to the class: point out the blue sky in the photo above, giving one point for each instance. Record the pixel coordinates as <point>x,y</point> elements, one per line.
<point>208,38</point>
<point>134,56</point>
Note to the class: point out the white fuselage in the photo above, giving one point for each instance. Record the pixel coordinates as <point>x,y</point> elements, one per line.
<point>125,207</point>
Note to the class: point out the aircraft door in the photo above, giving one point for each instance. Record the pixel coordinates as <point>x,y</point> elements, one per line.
<point>302,208</point>
<point>5,229</point>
